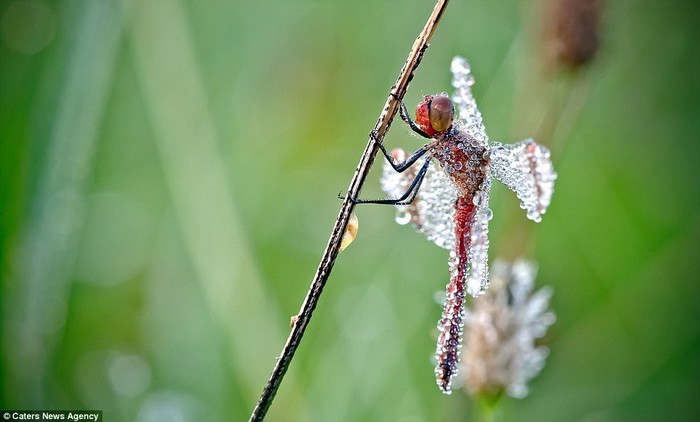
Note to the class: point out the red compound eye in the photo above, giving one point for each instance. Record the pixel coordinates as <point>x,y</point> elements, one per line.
<point>435,114</point>
<point>441,112</point>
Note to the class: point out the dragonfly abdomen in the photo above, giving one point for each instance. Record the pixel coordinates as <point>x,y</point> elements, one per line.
<point>452,322</point>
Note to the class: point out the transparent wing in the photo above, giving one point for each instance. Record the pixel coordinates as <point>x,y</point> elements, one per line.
<point>468,116</point>
<point>526,168</point>
<point>477,280</point>
<point>432,212</point>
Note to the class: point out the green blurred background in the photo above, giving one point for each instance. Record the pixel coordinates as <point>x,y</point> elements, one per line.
<point>168,181</point>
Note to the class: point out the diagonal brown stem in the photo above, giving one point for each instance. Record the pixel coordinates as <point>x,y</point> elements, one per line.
<point>392,105</point>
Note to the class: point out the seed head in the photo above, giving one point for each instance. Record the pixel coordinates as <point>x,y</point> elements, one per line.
<point>572,31</point>
<point>501,329</point>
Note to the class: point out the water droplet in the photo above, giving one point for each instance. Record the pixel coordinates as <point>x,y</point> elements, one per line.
<point>402,217</point>
<point>350,232</point>
<point>534,216</point>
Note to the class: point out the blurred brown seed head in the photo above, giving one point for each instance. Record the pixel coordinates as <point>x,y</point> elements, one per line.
<point>572,32</point>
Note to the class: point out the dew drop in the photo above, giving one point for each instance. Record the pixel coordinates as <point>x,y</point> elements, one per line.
<point>402,218</point>
<point>350,232</point>
<point>534,216</point>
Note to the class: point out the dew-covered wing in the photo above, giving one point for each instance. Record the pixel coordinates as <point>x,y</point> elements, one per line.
<point>432,212</point>
<point>477,280</point>
<point>526,168</point>
<point>468,118</point>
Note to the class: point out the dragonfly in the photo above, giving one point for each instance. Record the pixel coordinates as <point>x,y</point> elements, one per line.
<point>448,201</point>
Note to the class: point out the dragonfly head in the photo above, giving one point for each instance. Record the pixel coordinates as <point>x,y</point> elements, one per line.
<point>435,114</point>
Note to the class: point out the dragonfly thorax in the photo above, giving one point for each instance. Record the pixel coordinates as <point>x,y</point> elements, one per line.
<point>463,159</point>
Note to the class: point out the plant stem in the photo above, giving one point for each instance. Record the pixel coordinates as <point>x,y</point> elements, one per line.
<point>331,252</point>
<point>487,407</point>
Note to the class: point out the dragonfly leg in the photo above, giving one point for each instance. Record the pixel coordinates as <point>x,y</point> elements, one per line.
<point>400,166</point>
<point>405,199</point>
